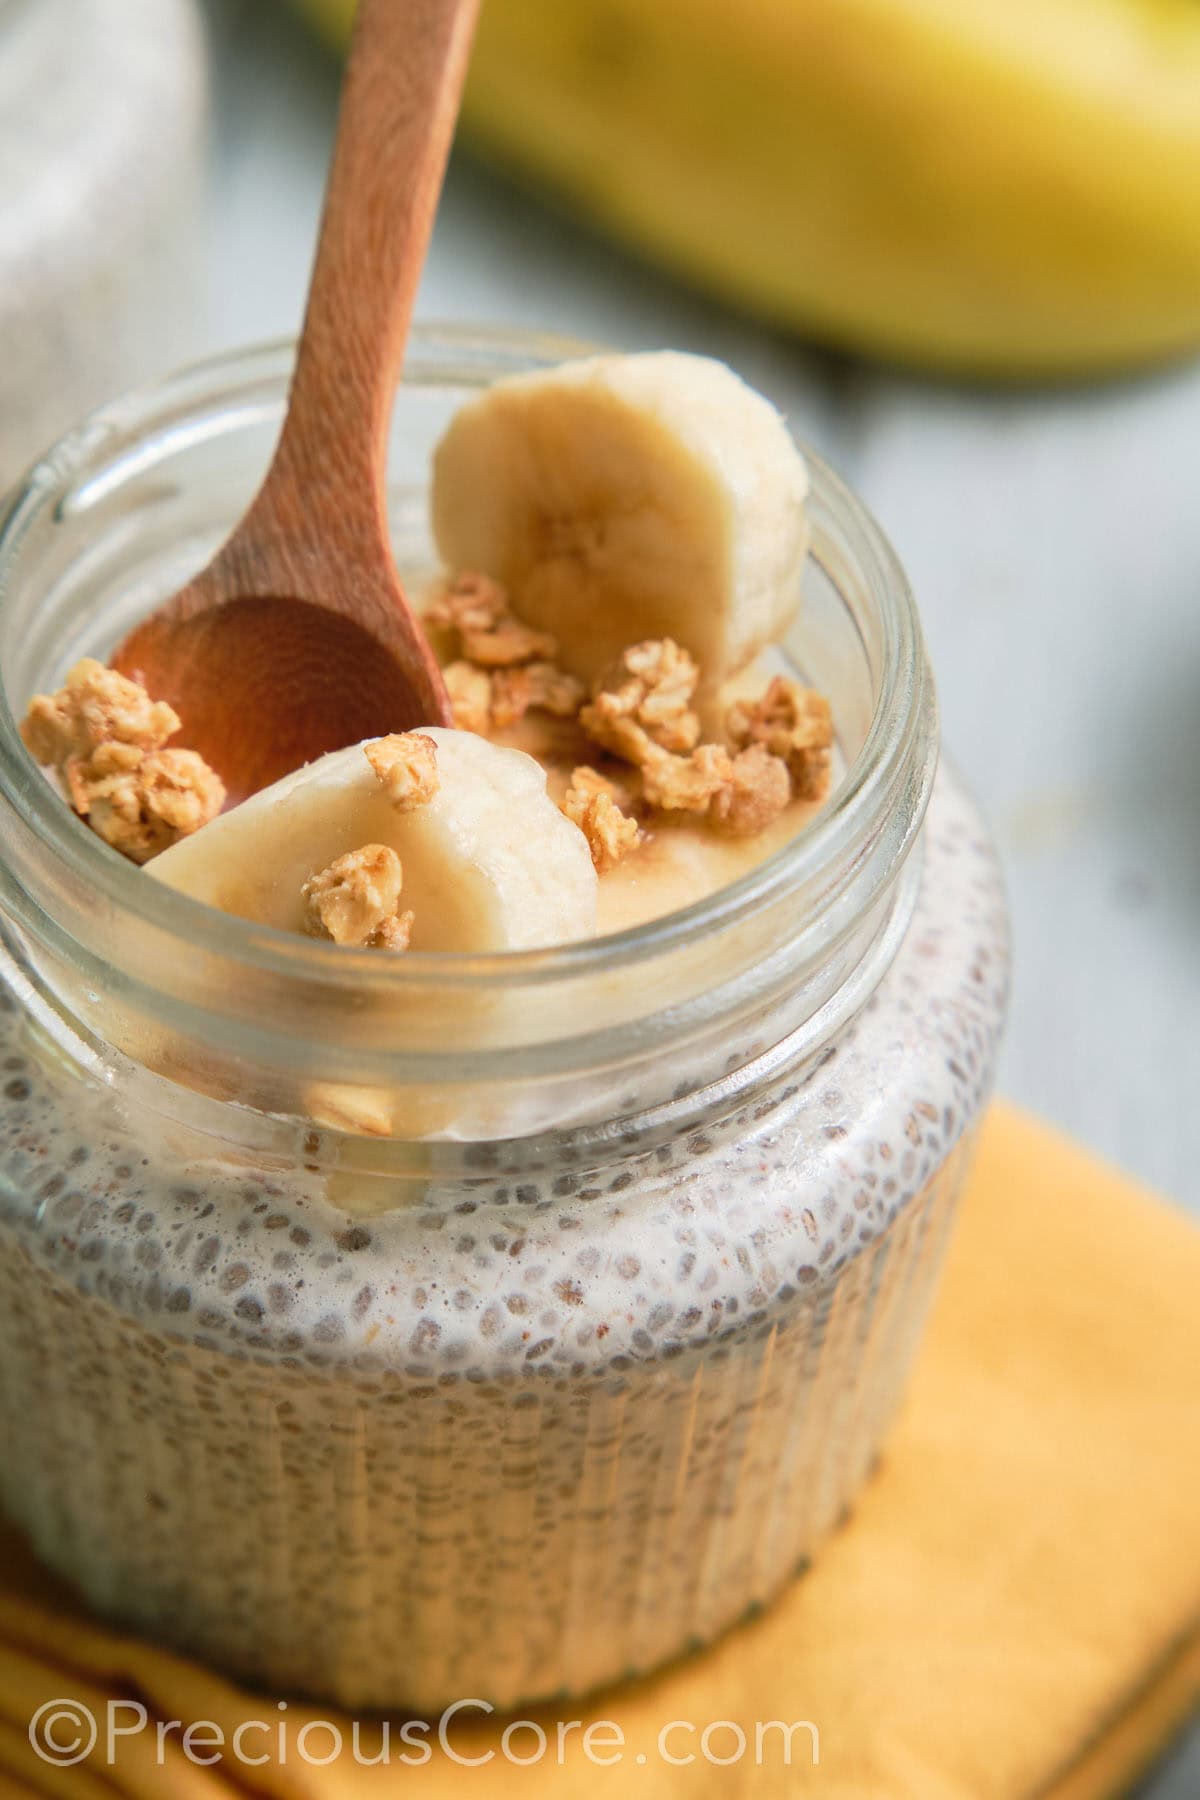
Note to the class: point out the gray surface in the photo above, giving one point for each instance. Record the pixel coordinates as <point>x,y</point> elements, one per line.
<point>1054,543</point>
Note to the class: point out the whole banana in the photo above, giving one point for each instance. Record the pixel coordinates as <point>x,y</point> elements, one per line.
<point>994,187</point>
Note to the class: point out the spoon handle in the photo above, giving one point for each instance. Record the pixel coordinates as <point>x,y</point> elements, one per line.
<point>400,100</point>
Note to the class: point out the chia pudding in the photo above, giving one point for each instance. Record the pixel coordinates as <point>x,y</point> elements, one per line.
<point>566,1382</point>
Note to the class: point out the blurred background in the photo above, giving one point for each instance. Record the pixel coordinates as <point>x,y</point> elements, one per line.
<point>959,247</point>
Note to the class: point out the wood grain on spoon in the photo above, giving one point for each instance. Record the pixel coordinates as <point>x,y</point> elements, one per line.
<point>297,638</point>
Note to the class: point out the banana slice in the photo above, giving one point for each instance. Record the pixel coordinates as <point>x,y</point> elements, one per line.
<point>627,497</point>
<point>489,862</point>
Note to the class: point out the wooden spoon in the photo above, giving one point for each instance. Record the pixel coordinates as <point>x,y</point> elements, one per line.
<point>297,638</point>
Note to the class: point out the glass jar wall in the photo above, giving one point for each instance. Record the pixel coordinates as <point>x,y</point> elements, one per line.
<point>587,1355</point>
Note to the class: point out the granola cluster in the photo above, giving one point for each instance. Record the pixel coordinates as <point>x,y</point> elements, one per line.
<point>406,766</point>
<point>793,724</point>
<point>105,738</point>
<point>489,634</point>
<point>504,669</point>
<point>592,802</point>
<point>356,900</point>
<point>643,701</point>
<point>777,748</point>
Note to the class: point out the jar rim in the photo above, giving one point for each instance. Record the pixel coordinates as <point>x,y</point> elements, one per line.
<point>124,429</point>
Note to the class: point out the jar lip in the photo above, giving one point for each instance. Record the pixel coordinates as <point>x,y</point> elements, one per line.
<point>903,704</point>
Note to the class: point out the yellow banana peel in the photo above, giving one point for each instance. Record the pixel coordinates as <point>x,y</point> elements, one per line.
<point>993,187</point>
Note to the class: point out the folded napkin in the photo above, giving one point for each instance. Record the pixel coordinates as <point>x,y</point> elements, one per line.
<point>1013,1613</point>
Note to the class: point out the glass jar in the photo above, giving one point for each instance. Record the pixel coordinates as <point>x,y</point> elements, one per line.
<point>102,113</point>
<point>585,1358</point>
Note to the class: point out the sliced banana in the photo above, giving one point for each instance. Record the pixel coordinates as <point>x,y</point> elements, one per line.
<point>627,497</point>
<point>489,862</point>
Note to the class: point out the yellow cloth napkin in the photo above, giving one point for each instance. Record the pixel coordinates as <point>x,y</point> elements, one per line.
<point>1012,1614</point>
